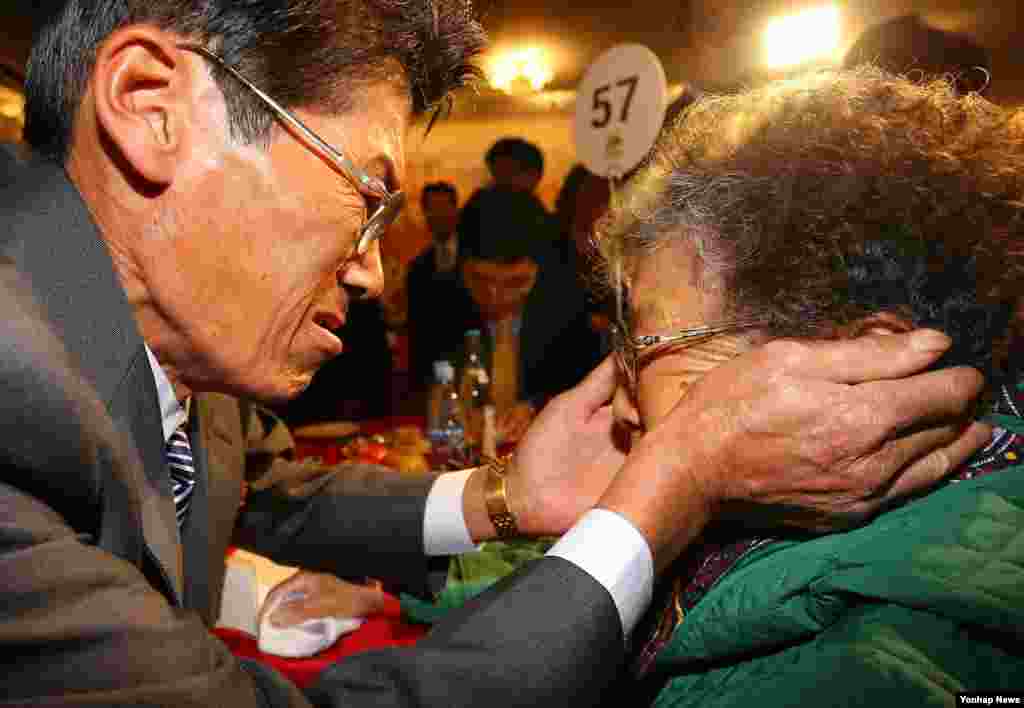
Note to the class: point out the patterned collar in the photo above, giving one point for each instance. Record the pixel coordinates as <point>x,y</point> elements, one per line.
<point>1005,448</point>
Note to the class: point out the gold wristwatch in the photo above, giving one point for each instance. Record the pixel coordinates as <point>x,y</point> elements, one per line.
<point>496,498</point>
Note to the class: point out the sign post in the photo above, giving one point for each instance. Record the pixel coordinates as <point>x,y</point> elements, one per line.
<point>620,108</point>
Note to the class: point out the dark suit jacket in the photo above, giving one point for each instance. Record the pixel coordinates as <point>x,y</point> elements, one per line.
<point>99,601</point>
<point>557,347</point>
<point>440,312</point>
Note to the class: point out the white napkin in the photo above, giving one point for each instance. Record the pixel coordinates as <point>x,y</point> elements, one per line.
<point>305,639</point>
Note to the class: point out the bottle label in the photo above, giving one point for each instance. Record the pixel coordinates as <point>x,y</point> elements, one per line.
<point>489,436</point>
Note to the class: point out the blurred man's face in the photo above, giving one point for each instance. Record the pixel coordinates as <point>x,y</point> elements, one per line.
<point>499,289</point>
<point>441,213</point>
<point>510,172</point>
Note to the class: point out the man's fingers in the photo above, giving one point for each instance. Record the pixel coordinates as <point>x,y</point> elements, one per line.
<point>865,358</point>
<point>902,467</point>
<point>285,596</point>
<point>929,398</point>
<point>300,581</point>
<point>291,614</point>
<point>914,462</point>
<point>328,596</point>
<point>940,461</point>
<point>888,466</point>
<point>598,387</point>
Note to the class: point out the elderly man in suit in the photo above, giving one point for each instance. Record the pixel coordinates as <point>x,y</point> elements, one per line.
<point>213,180</point>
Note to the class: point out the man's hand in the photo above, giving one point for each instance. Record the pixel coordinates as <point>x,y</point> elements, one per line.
<point>513,423</point>
<point>314,595</point>
<point>814,434</point>
<point>563,464</point>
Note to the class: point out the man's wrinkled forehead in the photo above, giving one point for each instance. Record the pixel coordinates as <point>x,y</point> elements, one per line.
<point>387,109</point>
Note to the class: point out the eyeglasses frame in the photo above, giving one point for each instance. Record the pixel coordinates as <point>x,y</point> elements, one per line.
<point>631,351</point>
<point>391,203</point>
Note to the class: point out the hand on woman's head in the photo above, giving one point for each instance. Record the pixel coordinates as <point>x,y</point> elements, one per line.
<point>815,434</point>
<point>863,416</point>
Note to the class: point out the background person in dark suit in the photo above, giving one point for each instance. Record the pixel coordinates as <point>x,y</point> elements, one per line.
<point>516,281</point>
<point>439,305</point>
<point>182,245</point>
<point>515,164</point>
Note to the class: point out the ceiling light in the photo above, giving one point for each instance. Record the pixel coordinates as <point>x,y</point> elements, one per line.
<point>521,71</point>
<point>12,104</point>
<point>811,35</point>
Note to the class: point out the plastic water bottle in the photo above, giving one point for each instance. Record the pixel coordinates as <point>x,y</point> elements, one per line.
<point>444,417</point>
<point>434,400</point>
<point>475,391</point>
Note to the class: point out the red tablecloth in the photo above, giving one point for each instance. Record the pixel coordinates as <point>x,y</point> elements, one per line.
<point>329,449</point>
<point>381,630</point>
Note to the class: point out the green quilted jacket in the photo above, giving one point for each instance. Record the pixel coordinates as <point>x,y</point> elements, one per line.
<point>925,602</point>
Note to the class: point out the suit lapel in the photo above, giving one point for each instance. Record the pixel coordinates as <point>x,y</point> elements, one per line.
<point>196,560</point>
<point>218,449</point>
<point>54,241</point>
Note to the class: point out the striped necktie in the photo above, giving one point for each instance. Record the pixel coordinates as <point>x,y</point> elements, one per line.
<point>183,477</point>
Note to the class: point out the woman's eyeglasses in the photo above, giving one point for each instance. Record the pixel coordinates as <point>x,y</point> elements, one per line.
<point>630,352</point>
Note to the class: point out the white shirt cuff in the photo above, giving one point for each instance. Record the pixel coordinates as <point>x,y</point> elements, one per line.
<point>444,526</point>
<point>612,551</point>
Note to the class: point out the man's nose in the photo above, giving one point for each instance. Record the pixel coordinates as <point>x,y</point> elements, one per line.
<point>363,274</point>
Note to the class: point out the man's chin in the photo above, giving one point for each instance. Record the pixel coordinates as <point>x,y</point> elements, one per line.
<point>274,392</point>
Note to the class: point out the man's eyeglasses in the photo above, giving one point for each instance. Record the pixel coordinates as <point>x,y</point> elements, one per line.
<point>630,352</point>
<point>391,203</point>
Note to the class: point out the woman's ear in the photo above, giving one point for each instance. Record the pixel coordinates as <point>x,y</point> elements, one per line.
<point>142,95</point>
<point>877,323</point>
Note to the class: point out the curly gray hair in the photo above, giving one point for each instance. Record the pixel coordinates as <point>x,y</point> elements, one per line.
<point>816,201</point>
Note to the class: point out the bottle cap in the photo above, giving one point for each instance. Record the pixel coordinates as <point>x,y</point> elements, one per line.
<point>444,372</point>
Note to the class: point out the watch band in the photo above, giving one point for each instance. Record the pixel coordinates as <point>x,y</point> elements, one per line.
<point>496,499</point>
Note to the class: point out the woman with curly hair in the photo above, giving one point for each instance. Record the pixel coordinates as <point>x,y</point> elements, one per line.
<point>832,206</point>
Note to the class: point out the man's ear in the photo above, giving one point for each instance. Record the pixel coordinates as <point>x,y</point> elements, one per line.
<point>142,94</point>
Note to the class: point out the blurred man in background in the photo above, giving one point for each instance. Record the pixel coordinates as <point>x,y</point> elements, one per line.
<point>439,305</point>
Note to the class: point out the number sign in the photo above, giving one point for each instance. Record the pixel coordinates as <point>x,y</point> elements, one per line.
<point>620,106</point>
